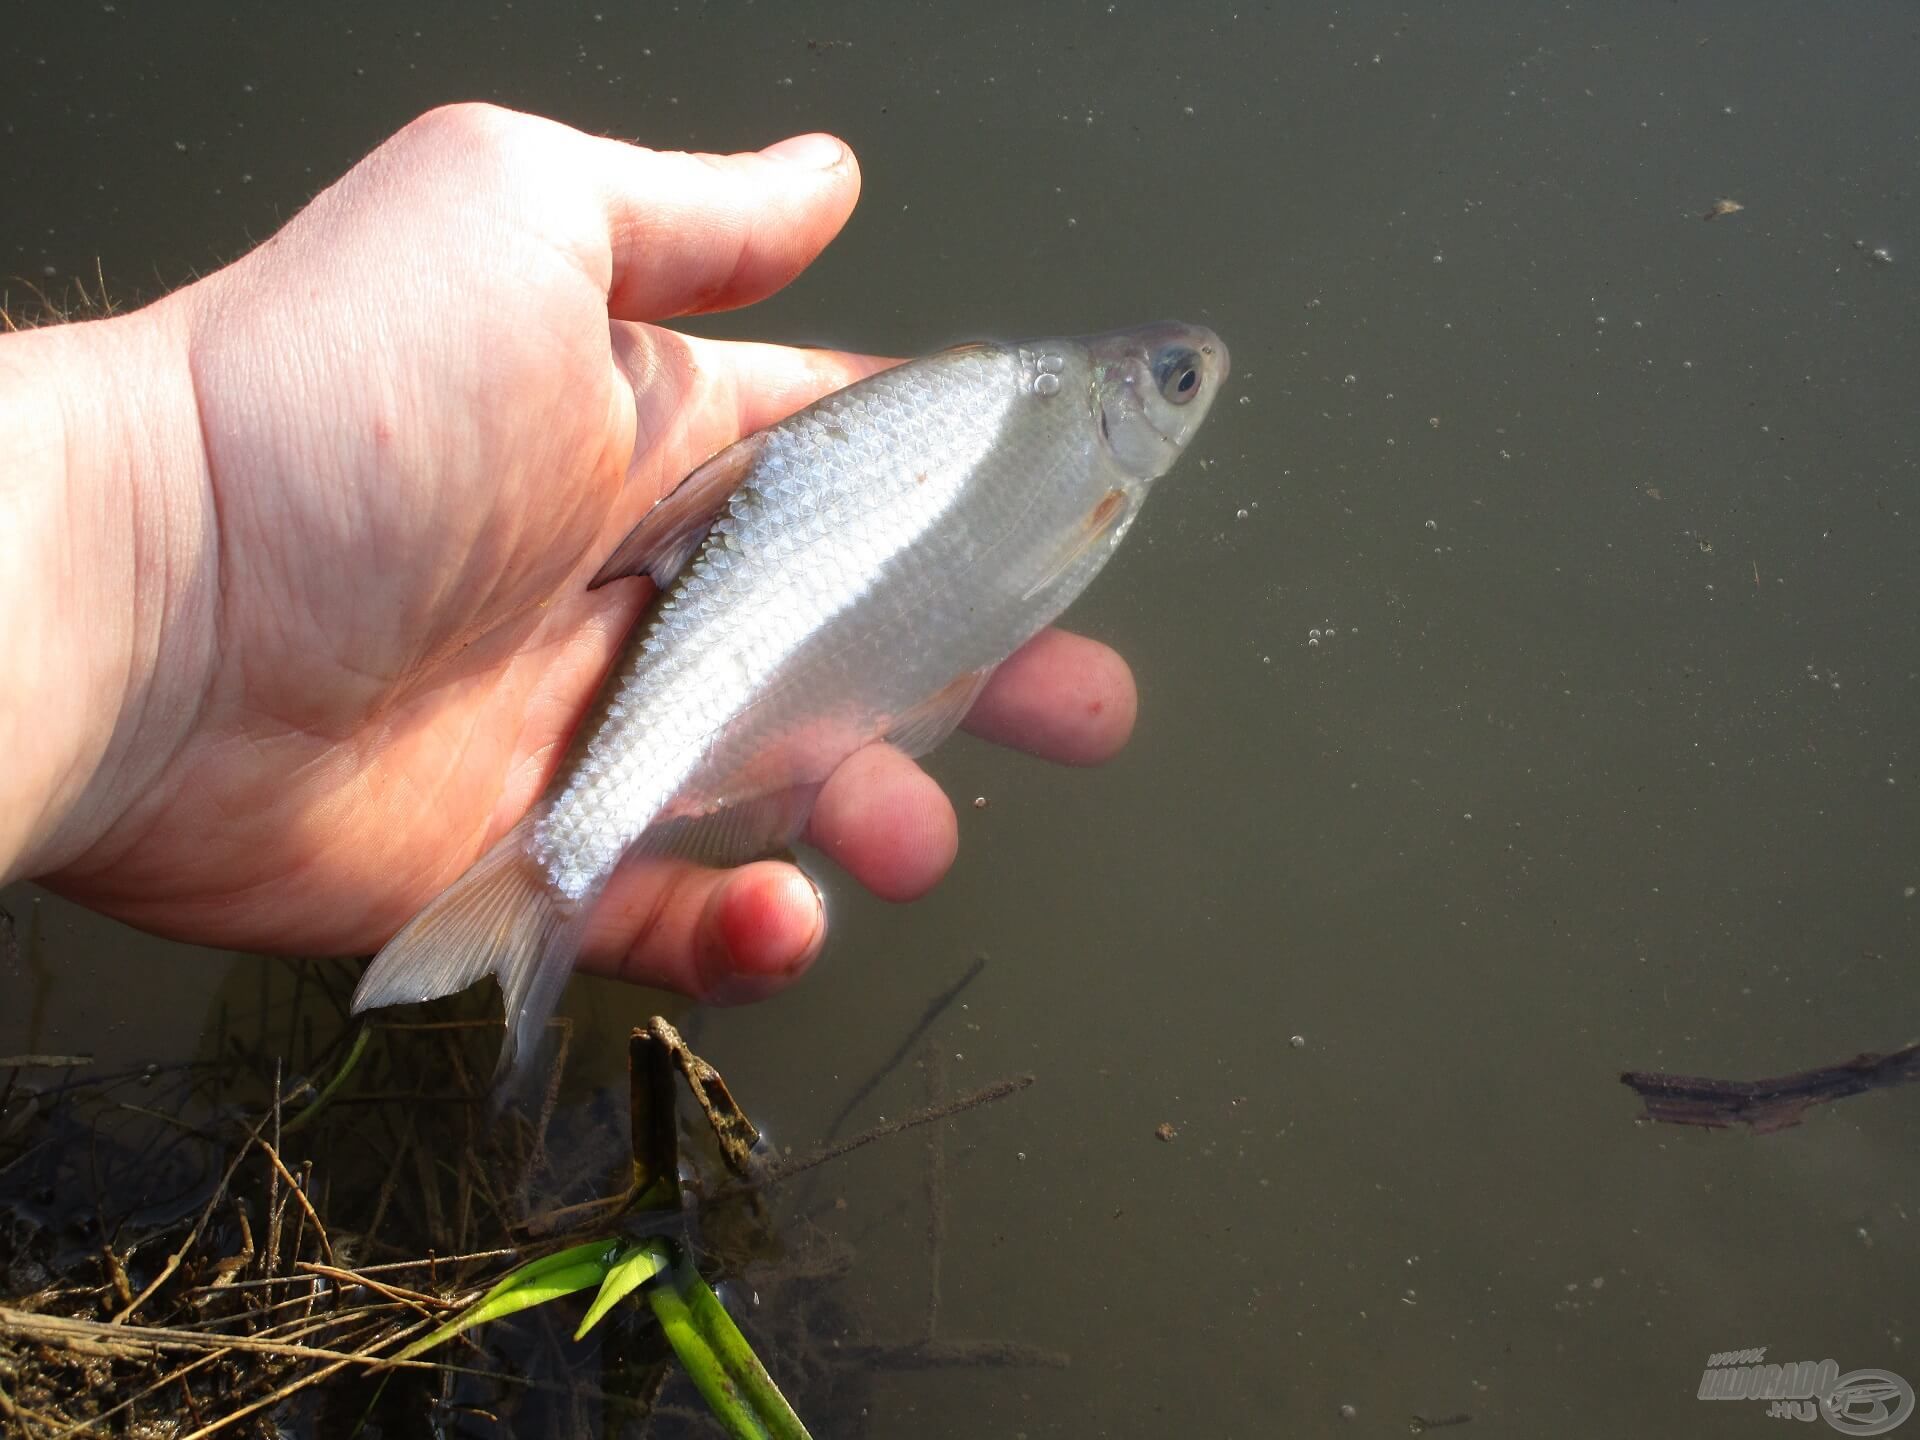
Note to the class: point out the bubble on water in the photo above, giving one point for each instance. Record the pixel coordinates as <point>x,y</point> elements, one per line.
<point>1240,514</point>
<point>1348,1412</point>
<point>1313,634</point>
<point>1298,1042</point>
<point>1433,525</point>
<point>1350,380</point>
<point>1246,399</point>
<point>1313,642</point>
<point>1046,384</point>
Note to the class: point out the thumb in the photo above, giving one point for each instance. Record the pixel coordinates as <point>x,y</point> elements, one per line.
<point>692,233</point>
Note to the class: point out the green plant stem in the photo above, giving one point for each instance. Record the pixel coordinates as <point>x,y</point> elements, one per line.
<point>742,1393</point>
<point>339,1078</point>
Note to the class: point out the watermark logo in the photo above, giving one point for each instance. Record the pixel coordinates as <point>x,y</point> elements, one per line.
<point>1860,1402</point>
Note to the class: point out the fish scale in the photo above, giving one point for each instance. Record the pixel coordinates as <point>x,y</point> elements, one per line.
<point>880,552</point>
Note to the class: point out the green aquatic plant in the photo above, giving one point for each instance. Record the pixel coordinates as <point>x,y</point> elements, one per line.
<point>716,1356</point>
<point>345,1214</point>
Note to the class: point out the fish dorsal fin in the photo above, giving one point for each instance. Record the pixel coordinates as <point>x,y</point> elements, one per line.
<point>666,537</point>
<point>921,728</point>
<point>1100,522</point>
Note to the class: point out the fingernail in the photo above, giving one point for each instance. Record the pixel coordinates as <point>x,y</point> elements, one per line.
<point>818,152</point>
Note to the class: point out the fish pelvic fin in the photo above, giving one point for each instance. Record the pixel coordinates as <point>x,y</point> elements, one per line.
<point>922,728</point>
<point>1099,524</point>
<point>733,830</point>
<point>668,534</point>
<point>500,918</point>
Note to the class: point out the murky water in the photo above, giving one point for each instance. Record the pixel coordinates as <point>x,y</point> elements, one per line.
<point>1603,755</point>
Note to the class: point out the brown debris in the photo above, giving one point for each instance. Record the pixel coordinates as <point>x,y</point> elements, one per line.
<point>1766,1105</point>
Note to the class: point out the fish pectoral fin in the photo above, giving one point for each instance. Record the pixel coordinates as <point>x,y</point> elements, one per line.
<point>1100,522</point>
<point>731,832</point>
<point>920,729</point>
<point>666,537</point>
<point>499,918</point>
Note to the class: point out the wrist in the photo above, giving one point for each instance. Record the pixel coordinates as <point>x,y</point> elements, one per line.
<point>108,575</point>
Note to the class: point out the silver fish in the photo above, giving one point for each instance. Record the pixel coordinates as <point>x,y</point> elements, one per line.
<point>861,568</point>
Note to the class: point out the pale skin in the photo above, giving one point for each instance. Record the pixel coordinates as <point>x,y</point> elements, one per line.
<point>293,562</point>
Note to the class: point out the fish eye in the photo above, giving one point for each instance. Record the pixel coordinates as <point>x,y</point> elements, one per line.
<point>1178,373</point>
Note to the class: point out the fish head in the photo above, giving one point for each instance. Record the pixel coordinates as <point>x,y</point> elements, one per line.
<point>1150,388</point>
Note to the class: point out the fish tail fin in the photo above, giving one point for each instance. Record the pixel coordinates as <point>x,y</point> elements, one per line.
<point>500,918</point>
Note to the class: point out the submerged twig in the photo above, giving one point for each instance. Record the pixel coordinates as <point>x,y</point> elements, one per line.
<point>43,1062</point>
<point>936,1075</point>
<point>299,1193</point>
<point>105,1338</point>
<point>781,1170</point>
<point>936,1007</point>
<point>1766,1105</point>
<point>193,1237</point>
<point>954,1354</point>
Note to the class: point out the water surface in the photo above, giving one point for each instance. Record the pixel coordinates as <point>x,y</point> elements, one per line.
<point>1602,756</point>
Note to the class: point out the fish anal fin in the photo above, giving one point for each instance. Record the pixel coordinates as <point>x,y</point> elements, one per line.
<point>500,918</point>
<point>924,726</point>
<point>668,534</point>
<point>730,831</point>
<point>1100,522</point>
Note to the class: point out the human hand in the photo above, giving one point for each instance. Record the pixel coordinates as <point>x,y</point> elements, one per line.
<point>426,411</point>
